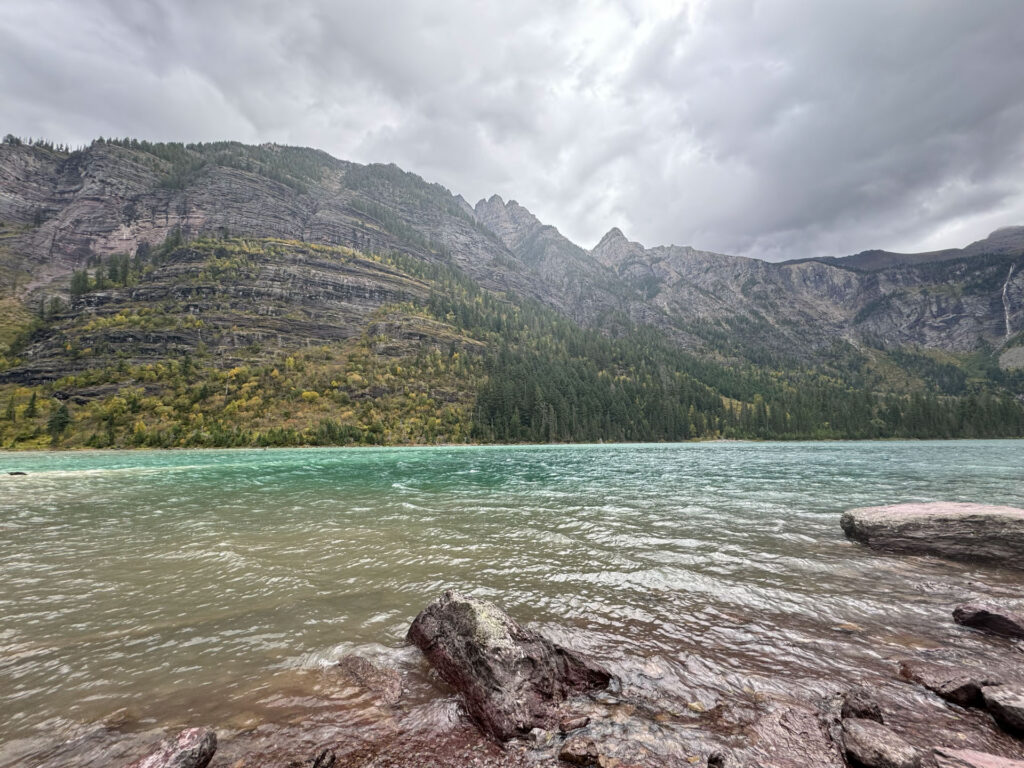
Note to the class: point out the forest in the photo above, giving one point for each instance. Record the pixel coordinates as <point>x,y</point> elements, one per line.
<point>482,367</point>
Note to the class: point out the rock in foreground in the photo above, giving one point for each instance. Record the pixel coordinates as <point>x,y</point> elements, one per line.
<point>974,532</point>
<point>991,618</point>
<point>871,744</point>
<point>192,748</point>
<point>511,678</point>
<point>1006,703</point>
<point>969,758</point>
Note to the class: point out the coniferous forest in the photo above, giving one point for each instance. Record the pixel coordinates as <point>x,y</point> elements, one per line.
<point>477,367</point>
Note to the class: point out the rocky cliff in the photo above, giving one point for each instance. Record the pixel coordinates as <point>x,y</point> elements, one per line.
<point>124,255</point>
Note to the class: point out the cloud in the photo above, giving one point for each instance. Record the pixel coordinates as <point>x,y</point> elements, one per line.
<point>778,130</point>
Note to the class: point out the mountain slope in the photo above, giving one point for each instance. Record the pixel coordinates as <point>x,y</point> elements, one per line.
<point>956,304</point>
<point>223,294</point>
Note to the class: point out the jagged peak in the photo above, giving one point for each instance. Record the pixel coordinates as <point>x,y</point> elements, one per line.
<point>612,235</point>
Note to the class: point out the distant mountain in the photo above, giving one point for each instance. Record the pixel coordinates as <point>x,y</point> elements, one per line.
<point>222,294</point>
<point>954,301</point>
<point>1007,241</point>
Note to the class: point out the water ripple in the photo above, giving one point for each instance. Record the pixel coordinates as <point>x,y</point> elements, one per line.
<point>201,584</point>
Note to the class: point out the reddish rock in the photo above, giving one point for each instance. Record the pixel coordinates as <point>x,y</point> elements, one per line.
<point>968,758</point>
<point>991,618</point>
<point>573,723</point>
<point>872,745</point>
<point>192,748</point>
<point>1006,703</point>
<point>957,684</point>
<point>859,703</point>
<point>383,682</point>
<point>511,678</point>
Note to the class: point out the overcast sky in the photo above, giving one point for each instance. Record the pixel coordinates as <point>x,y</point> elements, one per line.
<point>777,129</point>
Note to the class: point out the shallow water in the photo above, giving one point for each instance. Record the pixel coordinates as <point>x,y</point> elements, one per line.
<point>210,586</point>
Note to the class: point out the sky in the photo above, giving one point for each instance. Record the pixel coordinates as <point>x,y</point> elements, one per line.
<point>775,129</point>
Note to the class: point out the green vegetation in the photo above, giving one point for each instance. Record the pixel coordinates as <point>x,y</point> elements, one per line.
<point>449,363</point>
<point>295,167</point>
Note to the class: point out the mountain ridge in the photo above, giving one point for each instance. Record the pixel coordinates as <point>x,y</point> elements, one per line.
<point>126,256</point>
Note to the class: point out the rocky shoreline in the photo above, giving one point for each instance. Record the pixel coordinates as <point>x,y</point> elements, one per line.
<point>522,699</point>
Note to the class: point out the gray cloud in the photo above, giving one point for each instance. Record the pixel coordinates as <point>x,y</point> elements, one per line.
<point>777,130</point>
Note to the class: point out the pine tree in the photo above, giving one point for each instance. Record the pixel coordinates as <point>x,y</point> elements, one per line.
<point>32,411</point>
<point>58,422</point>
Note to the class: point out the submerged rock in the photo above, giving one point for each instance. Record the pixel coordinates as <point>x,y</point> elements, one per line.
<point>991,618</point>
<point>958,531</point>
<point>511,678</point>
<point>383,682</point>
<point>969,758</point>
<point>955,683</point>
<point>872,745</point>
<point>1006,703</point>
<point>192,748</point>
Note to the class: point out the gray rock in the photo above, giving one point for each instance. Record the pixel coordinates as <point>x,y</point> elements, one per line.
<point>969,758</point>
<point>872,745</point>
<point>192,748</point>
<point>991,618</point>
<point>954,683</point>
<point>974,532</point>
<point>511,678</point>
<point>1006,703</point>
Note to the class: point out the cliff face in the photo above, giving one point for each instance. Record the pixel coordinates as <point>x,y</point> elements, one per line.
<point>959,302</point>
<point>64,212</point>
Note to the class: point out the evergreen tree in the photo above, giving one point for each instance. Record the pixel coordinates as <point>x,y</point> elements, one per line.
<point>58,422</point>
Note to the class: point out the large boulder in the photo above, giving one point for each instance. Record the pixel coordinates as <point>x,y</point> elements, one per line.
<point>1006,703</point>
<point>976,532</point>
<point>511,678</point>
<point>192,748</point>
<point>992,618</point>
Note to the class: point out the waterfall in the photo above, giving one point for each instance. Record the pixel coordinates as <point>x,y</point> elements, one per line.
<point>1006,301</point>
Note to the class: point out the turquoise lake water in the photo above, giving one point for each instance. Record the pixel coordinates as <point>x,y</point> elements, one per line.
<point>202,586</point>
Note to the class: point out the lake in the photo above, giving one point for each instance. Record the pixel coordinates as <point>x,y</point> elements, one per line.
<point>211,586</point>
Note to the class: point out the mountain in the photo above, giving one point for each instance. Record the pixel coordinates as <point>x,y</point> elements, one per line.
<point>951,301</point>
<point>1007,241</point>
<point>224,294</point>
